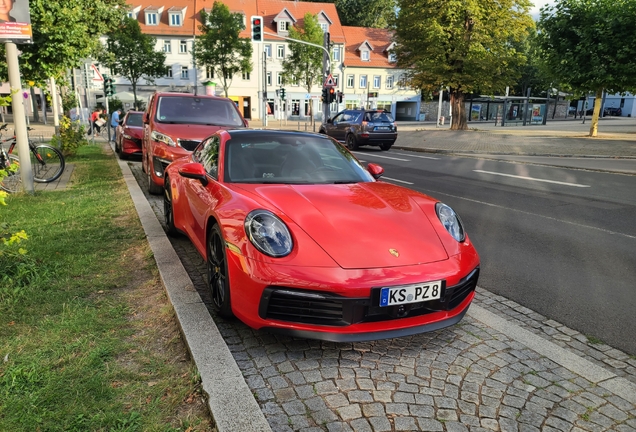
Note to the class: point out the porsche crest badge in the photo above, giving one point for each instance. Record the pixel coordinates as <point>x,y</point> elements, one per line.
<point>394,252</point>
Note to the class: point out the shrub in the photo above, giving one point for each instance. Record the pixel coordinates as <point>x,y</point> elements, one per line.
<point>72,136</point>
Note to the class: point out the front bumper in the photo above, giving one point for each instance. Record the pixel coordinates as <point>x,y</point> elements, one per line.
<point>131,146</point>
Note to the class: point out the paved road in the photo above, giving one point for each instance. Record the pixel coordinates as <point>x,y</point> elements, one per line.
<point>481,375</point>
<point>558,241</point>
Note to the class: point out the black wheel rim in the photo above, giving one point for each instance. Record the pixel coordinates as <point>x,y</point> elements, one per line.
<point>217,277</point>
<point>167,207</point>
<point>350,142</point>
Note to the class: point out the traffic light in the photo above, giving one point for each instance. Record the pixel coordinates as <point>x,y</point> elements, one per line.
<point>257,29</point>
<point>325,94</point>
<point>340,96</point>
<point>332,94</point>
<point>282,94</point>
<point>109,86</point>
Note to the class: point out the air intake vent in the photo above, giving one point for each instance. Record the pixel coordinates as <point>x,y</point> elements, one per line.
<point>303,307</point>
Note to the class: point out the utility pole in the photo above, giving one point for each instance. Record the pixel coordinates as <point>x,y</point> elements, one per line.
<point>326,71</point>
<point>55,106</point>
<point>264,88</point>
<point>439,107</point>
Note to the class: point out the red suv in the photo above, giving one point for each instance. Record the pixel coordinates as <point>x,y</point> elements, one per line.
<point>175,123</point>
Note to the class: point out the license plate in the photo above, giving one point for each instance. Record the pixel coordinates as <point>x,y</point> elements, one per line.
<point>391,296</point>
<point>383,128</point>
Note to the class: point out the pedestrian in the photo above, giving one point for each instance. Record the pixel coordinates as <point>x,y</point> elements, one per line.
<point>114,122</point>
<point>96,120</point>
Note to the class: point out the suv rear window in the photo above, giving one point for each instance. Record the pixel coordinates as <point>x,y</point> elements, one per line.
<point>196,110</point>
<point>378,116</point>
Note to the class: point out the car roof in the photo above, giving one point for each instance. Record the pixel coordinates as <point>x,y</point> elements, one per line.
<point>189,95</point>
<point>272,133</point>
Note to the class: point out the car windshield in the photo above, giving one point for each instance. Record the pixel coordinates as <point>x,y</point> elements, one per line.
<point>198,110</point>
<point>134,120</point>
<point>378,117</point>
<point>290,158</point>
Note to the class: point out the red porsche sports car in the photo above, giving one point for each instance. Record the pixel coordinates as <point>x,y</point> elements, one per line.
<point>299,237</point>
<point>129,134</point>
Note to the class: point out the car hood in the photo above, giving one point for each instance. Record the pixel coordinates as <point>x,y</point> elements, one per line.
<point>363,225</point>
<point>195,132</point>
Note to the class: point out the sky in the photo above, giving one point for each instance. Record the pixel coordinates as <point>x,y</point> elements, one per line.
<point>537,6</point>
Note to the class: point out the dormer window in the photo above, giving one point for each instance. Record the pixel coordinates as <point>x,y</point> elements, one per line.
<point>283,26</point>
<point>151,18</point>
<point>175,19</point>
<point>364,55</point>
<point>324,27</point>
<point>131,15</point>
<point>392,58</point>
<point>133,12</point>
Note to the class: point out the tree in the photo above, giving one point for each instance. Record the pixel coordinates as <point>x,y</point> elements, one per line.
<point>461,44</point>
<point>586,44</point>
<point>65,33</point>
<point>304,64</point>
<point>131,54</point>
<point>364,13</point>
<point>220,48</point>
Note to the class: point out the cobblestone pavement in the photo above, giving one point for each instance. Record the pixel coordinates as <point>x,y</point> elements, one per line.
<point>469,377</point>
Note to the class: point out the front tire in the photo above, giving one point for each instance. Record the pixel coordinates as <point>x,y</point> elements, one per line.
<point>168,209</point>
<point>218,280</point>
<point>351,142</point>
<point>153,189</point>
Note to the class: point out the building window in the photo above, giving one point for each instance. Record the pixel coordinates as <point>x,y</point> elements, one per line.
<point>246,76</point>
<point>363,81</point>
<point>377,81</point>
<point>350,81</point>
<point>209,73</point>
<point>336,79</point>
<point>402,82</point>
<point>269,78</point>
<point>283,26</point>
<point>175,19</point>
<point>167,46</point>
<point>280,51</point>
<point>389,82</point>
<point>151,18</point>
<point>364,55</point>
<point>324,27</point>
<point>392,58</point>
<point>336,53</point>
<point>183,47</point>
<point>168,71</point>
<point>184,72</point>
<point>279,79</point>
<point>268,50</point>
<point>131,15</point>
<point>295,81</point>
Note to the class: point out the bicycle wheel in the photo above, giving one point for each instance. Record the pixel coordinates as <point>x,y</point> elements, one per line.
<point>47,163</point>
<point>12,182</point>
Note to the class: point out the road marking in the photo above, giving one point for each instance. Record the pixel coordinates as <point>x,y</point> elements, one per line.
<point>383,157</point>
<point>434,192</point>
<point>396,180</point>
<point>415,156</point>
<point>531,178</point>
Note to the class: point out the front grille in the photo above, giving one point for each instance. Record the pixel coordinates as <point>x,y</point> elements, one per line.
<point>312,307</point>
<point>189,145</point>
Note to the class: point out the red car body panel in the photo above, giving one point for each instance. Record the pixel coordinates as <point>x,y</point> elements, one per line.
<point>129,146</point>
<point>342,234</point>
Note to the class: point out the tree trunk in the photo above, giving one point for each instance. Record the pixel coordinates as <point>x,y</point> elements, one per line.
<point>458,109</point>
<point>134,87</point>
<point>595,114</point>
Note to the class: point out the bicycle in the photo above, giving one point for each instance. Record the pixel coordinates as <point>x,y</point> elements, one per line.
<point>10,164</point>
<point>47,162</point>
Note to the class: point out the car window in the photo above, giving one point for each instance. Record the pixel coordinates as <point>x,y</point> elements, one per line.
<point>134,120</point>
<point>289,159</point>
<point>378,117</point>
<point>352,116</point>
<point>196,110</point>
<point>207,154</point>
<point>338,118</point>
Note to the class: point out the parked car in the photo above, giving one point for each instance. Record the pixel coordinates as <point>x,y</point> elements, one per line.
<point>590,112</point>
<point>614,111</point>
<point>300,237</point>
<point>175,123</point>
<point>362,127</point>
<point>128,135</point>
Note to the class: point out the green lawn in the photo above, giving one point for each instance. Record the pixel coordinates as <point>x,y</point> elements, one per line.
<point>89,342</point>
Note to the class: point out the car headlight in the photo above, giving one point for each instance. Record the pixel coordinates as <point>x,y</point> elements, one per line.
<point>127,136</point>
<point>451,221</point>
<point>158,136</point>
<point>268,233</point>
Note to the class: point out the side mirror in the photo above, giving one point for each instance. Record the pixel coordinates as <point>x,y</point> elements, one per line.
<point>144,118</point>
<point>375,170</point>
<point>195,171</point>
<point>329,120</point>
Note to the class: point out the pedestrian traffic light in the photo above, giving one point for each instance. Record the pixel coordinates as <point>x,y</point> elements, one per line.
<point>109,86</point>
<point>340,96</point>
<point>332,94</point>
<point>282,94</point>
<point>257,29</point>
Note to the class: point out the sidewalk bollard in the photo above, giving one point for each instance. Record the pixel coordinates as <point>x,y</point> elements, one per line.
<point>441,120</point>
